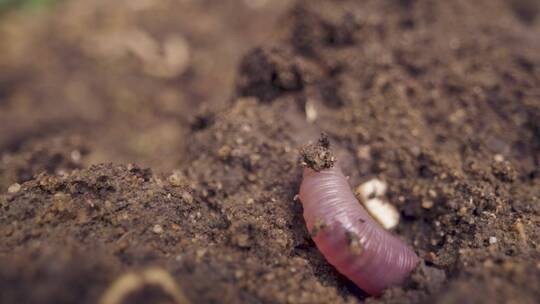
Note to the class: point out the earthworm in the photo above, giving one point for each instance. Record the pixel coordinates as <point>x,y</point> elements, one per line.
<point>348,237</point>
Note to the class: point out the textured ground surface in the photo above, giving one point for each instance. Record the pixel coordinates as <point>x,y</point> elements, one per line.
<point>213,99</point>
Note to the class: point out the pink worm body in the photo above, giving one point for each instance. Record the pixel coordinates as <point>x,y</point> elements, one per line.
<point>348,237</point>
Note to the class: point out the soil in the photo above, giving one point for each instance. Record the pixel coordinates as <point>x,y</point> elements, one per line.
<point>318,156</point>
<point>150,150</point>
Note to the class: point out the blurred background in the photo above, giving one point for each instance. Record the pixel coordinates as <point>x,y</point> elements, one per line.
<point>85,82</point>
<point>127,78</point>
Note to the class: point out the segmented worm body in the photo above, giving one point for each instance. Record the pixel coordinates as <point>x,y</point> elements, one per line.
<point>348,237</point>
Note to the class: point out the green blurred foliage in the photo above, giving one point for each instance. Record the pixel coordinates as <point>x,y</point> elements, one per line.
<point>24,4</point>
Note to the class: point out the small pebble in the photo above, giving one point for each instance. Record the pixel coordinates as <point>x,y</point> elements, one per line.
<point>186,197</point>
<point>176,178</point>
<point>14,188</point>
<point>427,204</point>
<point>521,230</point>
<point>370,189</point>
<point>385,213</point>
<point>157,229</point>
<point>242,240</point>
<point>239,274</point>
<point>431,256</point>
<point>75,156</point>
<point>224,152</point>
<point>498,158</point>
<point>492,240</point>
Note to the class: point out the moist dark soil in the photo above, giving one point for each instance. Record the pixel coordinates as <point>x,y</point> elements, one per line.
<point>150,150</point>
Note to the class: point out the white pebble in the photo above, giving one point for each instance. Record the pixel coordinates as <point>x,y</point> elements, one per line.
<point>372,188</point>
<point>157,229</point>
<point>384,213</point>
<point>75,156</point>
<point>492,240</point>
<point>14,188</point>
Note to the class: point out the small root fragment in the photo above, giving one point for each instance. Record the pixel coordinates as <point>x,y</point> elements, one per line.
<point>131,283</point>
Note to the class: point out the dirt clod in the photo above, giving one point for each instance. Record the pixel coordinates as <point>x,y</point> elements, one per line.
<point>318,156</point>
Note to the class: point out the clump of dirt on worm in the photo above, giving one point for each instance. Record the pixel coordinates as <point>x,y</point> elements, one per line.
<point>318,156</point>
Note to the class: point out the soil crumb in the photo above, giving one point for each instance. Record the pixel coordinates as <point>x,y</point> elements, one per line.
<point>318,156</point>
